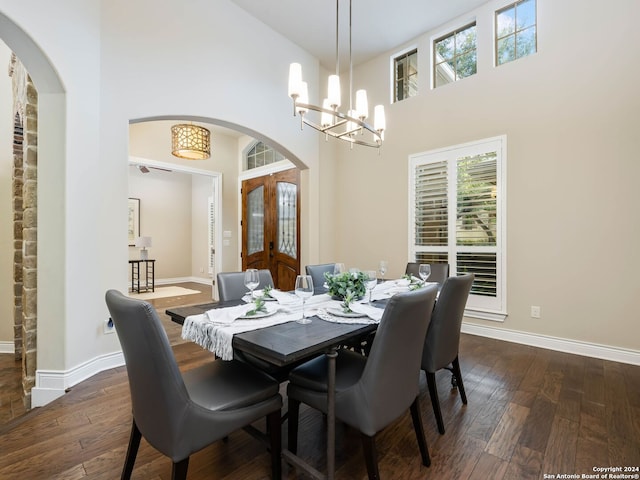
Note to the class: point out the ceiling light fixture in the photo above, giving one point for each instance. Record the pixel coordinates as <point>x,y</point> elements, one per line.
<point>350,126</point>
<point>190,141</point>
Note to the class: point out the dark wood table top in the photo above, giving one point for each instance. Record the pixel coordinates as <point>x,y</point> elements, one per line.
<point>287,342</point>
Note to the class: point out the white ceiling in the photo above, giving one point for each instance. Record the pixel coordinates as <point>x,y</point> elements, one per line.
<point>377,25</point>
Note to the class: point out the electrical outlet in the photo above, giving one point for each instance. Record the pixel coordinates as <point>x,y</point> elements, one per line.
<point>535,311</point>
<point>108,325</point>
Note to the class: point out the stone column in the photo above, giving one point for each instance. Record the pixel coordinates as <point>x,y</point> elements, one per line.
<point>30,243</point>
<point>17,185</point>
<point>25,203</point>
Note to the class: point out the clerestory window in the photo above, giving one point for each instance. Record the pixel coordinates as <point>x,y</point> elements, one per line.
<point>455,56</point>
<point>515,31</point>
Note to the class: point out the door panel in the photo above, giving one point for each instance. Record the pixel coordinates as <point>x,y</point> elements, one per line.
<point>271,226</point>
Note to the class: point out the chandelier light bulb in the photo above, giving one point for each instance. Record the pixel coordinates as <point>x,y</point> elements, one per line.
<point>295,79</point>
<point>334,91</point>
<point>362,104</point>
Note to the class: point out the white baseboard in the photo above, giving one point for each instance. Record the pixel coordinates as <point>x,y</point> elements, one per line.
<point>7,347</point>
<point>615,354</point>
<point>167,281</point>
<point>52,384</point>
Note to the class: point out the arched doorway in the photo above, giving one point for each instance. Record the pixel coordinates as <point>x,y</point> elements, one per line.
<point>37,91</point>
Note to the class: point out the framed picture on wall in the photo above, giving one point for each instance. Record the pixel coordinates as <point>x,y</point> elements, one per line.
<point>134,220</point>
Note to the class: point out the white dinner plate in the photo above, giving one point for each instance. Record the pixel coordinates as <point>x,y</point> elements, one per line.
<point>338,312</point>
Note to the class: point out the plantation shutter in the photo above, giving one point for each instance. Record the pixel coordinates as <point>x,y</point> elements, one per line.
<point>476,220</point>
<point>458,217</point>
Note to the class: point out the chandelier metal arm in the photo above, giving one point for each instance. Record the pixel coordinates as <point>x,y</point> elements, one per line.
<point>340,119</point>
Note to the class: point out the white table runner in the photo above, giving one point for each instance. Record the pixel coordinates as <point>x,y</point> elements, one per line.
<point>214,331</point>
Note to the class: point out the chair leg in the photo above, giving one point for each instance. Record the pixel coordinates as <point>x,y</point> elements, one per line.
<point>435,401</point>
<point>132,451</point>
<point>458,375</point>
<point>179,470</point>
<point>275,435</point>
<point>417,426</point>
<point>294,408</point>
<point>370,456</point>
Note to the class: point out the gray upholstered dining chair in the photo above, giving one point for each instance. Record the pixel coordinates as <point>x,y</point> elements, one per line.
<point>443,339</point>
<point>231,284</point>
<point>439,271</point>
<point>180,414</point>
<point>231,287</point>
<point>317,275</point>
<point>371,392</point>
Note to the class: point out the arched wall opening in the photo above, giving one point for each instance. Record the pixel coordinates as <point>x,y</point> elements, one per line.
<point>41,197</point>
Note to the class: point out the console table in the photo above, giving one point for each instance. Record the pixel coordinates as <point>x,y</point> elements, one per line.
<point>149,276</point>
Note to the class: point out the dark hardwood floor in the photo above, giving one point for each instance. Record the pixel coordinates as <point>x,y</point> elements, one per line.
<point>531,411</point>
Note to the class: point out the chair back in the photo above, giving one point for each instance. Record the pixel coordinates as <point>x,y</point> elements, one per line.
<point>231,284</point>
<point>390,381</point>
<point>439,271</point>
<point>443,336</point>
<point>317,275</point>
<point>158,393</point>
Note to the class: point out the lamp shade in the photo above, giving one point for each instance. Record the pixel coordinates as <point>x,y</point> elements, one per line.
<point>190,141</point>
<point>143,242</point>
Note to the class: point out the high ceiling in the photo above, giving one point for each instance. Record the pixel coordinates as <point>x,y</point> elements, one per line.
<point>377,25</point>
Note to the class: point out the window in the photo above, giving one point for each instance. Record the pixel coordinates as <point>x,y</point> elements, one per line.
<point>516,31</point>
<point>405,68</point>
<point>457,215</point>
<point>260,155</point>
<point>454,56</point>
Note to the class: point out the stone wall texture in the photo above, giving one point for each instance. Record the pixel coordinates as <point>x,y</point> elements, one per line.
<point>25,226</point>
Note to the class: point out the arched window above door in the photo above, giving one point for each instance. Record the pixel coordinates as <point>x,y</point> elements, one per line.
<point>260,155</point>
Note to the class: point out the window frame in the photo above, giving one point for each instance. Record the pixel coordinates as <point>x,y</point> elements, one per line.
<point>515,32</point>
<point>439,38</point>
<point>277,157</point>
<point>478,306</point>
<point>392,62</point>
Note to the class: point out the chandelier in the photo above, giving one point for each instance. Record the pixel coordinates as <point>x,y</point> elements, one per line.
<point>190,141</point>
<point>350,126</point>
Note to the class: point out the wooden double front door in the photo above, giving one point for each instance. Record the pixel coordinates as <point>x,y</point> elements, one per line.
<point>271,226</point>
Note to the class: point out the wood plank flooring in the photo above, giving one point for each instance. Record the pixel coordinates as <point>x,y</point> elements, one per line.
<point>531,412</point>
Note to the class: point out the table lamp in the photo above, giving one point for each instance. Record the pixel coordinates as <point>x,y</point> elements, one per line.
<point>143,242</point>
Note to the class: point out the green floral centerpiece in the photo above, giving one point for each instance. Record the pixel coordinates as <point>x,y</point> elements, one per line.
<point>343,283</point>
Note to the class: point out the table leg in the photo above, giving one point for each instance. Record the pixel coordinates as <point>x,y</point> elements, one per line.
<point>331,413</point>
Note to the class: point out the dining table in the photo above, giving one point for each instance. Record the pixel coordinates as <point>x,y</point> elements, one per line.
<point>290,342</point>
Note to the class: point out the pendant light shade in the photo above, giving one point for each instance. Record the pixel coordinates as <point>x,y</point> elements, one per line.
<point>190,141</point>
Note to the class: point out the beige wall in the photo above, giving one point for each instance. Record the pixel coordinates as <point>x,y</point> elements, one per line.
<point>6,206</point>
<point>165,216</point>
<point>570,116</point>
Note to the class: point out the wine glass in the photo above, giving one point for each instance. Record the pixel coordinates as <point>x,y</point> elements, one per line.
<point>338,268</point>
<point>304,290</point>
<point>382,268</point>
<point>424,270</point>
<point>371,281</point>
<point>251,280</point>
